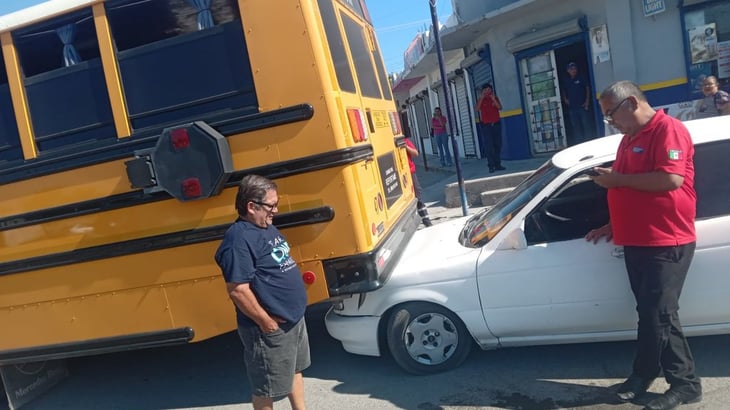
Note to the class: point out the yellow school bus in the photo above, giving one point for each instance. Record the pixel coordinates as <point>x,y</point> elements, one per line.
<point>125,128</point>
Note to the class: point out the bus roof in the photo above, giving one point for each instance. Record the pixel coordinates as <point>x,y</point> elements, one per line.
<point>41,12</point>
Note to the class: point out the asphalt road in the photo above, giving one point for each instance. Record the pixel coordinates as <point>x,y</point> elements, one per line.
<point>210,375</point>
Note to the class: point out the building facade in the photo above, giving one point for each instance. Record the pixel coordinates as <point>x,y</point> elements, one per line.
<point>524,47</point>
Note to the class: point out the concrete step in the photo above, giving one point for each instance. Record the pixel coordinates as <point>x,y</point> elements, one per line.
<point>498,185</point>
<point>489,198</point>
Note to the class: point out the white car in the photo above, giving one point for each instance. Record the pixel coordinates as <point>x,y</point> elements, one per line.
<point>521,273</point>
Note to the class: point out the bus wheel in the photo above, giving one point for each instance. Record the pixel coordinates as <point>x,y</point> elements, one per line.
<point>426,338</point>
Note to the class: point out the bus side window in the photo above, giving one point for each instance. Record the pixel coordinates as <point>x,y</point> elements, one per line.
<point>361,56</point>
<point>9,138</point>
<point>337,47</point>
<point>180,64</point>
<point>64,81</point>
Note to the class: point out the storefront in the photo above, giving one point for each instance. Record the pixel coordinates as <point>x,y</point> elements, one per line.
<point>706,28</point>
<point>667,47</point>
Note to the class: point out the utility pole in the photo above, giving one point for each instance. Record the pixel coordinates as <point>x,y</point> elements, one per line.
<point>447,101</point>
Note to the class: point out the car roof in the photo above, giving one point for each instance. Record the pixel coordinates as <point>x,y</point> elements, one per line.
<point>702,131</point>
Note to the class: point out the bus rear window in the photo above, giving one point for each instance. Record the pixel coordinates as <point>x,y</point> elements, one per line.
<point>181,60</point>
<point>9,139</point>
<point>384,83</point>
<point>336,46</point>
<point>57,43</point>
<point>135,23</point>
<point>359,8</point>
<point>361,57</point>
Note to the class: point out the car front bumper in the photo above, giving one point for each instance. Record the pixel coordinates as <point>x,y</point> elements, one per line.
<point>358,334</point>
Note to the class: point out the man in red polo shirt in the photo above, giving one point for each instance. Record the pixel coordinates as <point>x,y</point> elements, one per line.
<point>652,201</point>
<point>490,137</point>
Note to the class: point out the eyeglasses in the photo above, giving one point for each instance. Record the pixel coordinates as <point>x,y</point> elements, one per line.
<point>268,207</point>
<point>707,85</point>
<point>608,116</point>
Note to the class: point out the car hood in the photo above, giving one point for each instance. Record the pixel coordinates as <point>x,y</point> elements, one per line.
<point>434,254</point>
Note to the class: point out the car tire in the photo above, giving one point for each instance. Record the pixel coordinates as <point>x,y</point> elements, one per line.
<point>426,338</point>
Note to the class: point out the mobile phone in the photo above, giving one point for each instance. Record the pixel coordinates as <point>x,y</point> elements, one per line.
<point>592,172</point>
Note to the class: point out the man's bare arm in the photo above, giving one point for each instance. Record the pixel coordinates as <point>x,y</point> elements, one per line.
<point>656,181</point>
<point>724,108</point>
<point>242,295</point>
<point>411,151</point>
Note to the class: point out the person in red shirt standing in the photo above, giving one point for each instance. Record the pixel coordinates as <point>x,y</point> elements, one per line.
<point>439,131</point>
<point>490,137</point>
<point>652,204</point>
<point>412,152</point>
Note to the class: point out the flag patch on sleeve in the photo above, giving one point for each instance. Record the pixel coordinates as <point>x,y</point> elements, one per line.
<point>675,154</point>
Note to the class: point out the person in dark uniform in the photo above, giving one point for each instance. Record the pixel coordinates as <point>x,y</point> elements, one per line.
<point>577,96</point>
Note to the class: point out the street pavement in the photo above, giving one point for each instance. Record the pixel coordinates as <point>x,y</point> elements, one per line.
<point>434,178</point>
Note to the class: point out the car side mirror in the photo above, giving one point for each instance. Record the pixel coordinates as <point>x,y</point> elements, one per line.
<point>514,240</point>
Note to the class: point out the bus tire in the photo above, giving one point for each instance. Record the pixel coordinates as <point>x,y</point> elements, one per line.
<point>426,338</point>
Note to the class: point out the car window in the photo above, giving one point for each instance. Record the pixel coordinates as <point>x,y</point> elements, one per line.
<point>485,225</point>
<point>712,179</point>
<point>570,212</point>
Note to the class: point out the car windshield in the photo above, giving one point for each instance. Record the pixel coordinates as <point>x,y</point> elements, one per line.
<point>483,226</point>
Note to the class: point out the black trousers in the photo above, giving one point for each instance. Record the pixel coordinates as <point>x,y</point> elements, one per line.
<point>492,134</point>
<point>657,275</point>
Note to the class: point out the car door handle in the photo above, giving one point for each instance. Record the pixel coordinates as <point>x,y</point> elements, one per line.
<point>558,217</point>
<point>618,252</point>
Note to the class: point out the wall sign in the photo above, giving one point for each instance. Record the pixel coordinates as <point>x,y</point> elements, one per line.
<point>652,7</point>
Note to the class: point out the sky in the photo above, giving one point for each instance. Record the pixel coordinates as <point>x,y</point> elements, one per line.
<point>396,23</point>
<point>8,6</point>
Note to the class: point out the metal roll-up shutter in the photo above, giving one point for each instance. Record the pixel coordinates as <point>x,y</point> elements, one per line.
<point>464,111</point>
<point>481,73</point>
<point>423,122</point>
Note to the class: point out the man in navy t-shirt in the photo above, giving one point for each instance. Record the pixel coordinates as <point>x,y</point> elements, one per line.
<point>577,96</point>
<point>267,290</point>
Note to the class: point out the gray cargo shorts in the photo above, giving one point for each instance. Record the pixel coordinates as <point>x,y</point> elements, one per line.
<point>272,359</point>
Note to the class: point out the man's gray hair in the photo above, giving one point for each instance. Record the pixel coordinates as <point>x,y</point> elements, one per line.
<point>621,90</point>
<point>253,188</point>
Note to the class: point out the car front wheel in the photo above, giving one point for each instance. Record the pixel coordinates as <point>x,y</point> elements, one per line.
<point>426,338</point>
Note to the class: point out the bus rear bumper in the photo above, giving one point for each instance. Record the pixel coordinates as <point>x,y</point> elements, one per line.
<point>366,272</point>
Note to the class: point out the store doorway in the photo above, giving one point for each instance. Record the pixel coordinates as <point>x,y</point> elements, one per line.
<point>576,53</point>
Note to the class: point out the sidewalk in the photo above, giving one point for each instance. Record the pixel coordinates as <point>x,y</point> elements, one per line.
<point>435,179</point>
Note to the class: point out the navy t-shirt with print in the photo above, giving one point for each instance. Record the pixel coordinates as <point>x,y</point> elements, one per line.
<point>260,257</point>
<point>576,89</point>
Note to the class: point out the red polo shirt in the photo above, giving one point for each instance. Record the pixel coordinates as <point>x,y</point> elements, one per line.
<point>488,112</point>
<point>411,164</point>
<point>640,218</point>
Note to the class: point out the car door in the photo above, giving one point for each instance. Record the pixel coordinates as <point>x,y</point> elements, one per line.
<point>559,285</point>
<point>705,298</point>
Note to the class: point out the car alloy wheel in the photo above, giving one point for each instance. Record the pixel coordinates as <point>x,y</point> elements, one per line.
<point>426,338</point>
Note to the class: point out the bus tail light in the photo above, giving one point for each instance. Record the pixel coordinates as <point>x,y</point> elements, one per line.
<point>358,127</point>
<point>179,138</point>
<point>395,123</point>
<point>309,277</point>
<point>191,188</point>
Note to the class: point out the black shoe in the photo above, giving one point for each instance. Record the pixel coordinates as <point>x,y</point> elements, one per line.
<point>491,170</point>
<point>672,399</point>
<point>500,168</point>
<point>633,387</point>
